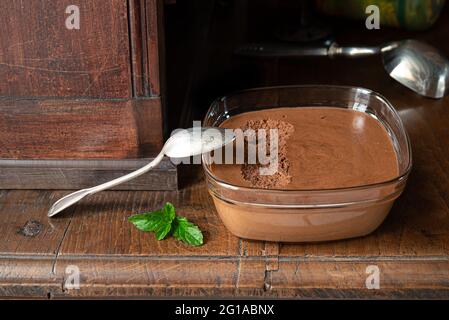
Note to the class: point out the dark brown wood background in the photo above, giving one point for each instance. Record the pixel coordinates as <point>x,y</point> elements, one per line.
<point>92,93</point>
<point>40,57</point>
<point>79,94</point>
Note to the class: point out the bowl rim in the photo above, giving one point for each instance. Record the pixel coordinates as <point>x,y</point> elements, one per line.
<point>399,178</point>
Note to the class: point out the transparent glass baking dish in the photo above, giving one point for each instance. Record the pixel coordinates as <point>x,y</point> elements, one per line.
<point>308,215</point>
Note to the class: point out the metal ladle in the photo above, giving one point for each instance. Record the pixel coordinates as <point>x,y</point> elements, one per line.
<point>416,65</point>
<point>184,143</point>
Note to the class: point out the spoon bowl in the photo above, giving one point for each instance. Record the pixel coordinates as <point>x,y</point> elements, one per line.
<point>197,140</point>
<point>418,66</point>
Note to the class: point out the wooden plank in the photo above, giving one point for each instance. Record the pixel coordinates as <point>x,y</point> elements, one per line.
<point>80,129</point>
<point>162,277</point>
<point>79,174</point>
<point>24,277</point>
<point>24,225</point>
<point>40,57</point>
<point>400,278</point>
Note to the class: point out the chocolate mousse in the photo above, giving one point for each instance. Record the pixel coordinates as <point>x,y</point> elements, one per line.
<point>319,148</point>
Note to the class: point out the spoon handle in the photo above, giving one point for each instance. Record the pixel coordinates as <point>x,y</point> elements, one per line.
<point>76,196</point>
<point>277,50</point>
<point>352,52</point>
<point>129,176</point>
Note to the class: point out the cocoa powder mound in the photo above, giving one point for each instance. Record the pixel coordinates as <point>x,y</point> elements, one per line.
<point>251,172</point>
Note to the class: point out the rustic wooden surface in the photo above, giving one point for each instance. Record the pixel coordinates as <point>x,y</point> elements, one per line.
<point>411,248</point>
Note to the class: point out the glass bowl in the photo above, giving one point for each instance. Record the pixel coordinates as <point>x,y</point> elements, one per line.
<point>307,215</point>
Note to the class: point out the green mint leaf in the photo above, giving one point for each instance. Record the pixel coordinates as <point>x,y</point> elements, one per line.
<point>159,221</point>
<point>162,231</point>
<point>168,217</point>
<point>169,211</point>
<point>187,232</point>
<point>147,221</point>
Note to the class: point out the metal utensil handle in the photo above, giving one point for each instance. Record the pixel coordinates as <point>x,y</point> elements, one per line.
<point>352,52</point>
<point>281,50</point>
<point>284,50</point>
<point>76,196</point>
<point>129,176</point>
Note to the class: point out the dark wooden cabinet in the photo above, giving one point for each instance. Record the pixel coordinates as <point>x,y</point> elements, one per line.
<point>41,57</point>
<point>79,94</point>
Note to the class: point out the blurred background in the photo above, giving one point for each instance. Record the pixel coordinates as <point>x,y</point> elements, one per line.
<point>202,35</point>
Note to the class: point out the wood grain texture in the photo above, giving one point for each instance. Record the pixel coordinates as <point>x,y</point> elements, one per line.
<point>147,46</point>
<point>79,174</point>
<point>138,43</point>
<point>333,278</point>
<point>80,129</point>
<point>40,57</point>
<point>179,277</point>
<point>192,202</point>
<point>16,214</point>
<point>155,44</point>
<point>24,277</point>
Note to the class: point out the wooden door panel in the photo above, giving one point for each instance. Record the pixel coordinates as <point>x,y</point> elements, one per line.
<point>79,129</point>
<point>40,57</point>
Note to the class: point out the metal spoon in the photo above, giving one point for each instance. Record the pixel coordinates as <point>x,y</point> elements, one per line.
<point>184,143</point>
<point>416,65</point>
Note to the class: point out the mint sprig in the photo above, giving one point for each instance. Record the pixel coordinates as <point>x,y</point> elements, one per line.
<point>165,221</point>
